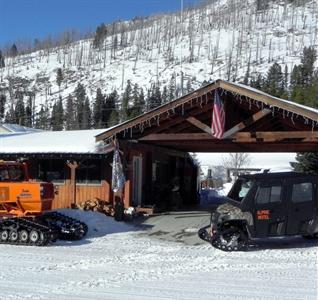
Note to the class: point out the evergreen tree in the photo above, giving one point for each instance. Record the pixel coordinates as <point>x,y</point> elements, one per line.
<point>57,116</point>
<point>172,87</point>
<point>98,109</point>
<point>13,50</point>
<point>274,84</point>
<point>125,101</point>
<point>70,118</point>
<point>257,83</point>
<point>28,113</point>
<point>87,115</point>
<point>20,111</point>
<point>100,35</point>
<point>80,96</point>
<point>138,102</point>
<point>2,105</point>
<point>42,118</point>
<point>307,62</point>
<point>165,95</point>
<point>59,78</point>
<point>306,162</point>
<point>112,117</point>
<point>2,64</point>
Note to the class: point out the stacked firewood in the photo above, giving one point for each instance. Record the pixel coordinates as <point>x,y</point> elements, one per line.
<point>97,205</point>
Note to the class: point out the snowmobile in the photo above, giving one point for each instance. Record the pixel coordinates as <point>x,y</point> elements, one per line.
<point>264,205</point>
<point>26,217</point>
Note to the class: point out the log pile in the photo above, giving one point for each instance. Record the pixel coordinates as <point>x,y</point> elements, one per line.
<point>97,205</point>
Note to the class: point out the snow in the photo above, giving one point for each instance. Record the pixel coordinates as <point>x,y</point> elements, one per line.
<point>73,141</point>
<point>120,261</point>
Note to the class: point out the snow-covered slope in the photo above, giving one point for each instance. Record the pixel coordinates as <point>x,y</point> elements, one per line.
<point>218,40</point>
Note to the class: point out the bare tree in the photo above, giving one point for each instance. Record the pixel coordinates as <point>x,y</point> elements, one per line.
<point>236,160</point>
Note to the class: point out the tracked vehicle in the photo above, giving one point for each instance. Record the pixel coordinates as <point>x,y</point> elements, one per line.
<point>264,205</point>
<point>25,210</point>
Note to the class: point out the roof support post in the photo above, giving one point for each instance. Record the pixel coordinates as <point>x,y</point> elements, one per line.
<point>73,166</point>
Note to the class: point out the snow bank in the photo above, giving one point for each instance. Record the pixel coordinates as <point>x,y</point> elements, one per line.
<point>98,223</point>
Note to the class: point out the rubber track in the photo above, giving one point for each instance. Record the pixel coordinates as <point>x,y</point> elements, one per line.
<point>53,219</point>
<point>29,225</point>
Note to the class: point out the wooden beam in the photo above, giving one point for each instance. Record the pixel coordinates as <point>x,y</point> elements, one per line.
<point>200,125</point>
<point>264,112</point>
<point>237,137</point>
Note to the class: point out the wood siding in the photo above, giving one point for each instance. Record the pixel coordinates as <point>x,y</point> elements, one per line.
<point>63,198</point>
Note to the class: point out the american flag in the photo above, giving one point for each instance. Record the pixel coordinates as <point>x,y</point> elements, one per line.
<point>218,117</point>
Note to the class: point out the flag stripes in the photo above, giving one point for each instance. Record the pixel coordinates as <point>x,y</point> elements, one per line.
<point>218,117</point>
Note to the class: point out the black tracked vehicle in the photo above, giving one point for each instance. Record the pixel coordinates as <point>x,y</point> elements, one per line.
<point>264,205</point>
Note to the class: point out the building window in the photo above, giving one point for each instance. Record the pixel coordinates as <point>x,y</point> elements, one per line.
<point>89,172</point>
<point>52,170</point>
<point>302,192</point>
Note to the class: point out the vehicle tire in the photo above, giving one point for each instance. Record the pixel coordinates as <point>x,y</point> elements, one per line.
<point>4,235</point>
<point>231,239</point>
<point>23,236</point>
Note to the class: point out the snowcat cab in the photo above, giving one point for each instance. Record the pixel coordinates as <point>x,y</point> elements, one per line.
<point>25,210</point>
<point>264,205</point>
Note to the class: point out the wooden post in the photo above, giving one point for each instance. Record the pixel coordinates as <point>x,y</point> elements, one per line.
<point>73,165</point>
<point>127,193</point>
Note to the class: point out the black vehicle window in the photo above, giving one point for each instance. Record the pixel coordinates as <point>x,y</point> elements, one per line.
<point>268,194</point>
<point>302,192</point>
<point>240,189</point>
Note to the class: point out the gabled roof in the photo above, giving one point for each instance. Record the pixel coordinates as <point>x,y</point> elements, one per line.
<point>252,116</point>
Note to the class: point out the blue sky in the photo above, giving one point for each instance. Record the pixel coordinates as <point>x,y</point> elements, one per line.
<point>30,19</point>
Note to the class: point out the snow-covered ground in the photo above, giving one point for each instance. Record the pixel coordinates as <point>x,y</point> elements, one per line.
<point>119,261</point>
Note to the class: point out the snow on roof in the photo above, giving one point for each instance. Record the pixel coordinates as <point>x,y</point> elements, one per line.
<point>278,99</point>
<point>75,142</point>
<point>15,128</point>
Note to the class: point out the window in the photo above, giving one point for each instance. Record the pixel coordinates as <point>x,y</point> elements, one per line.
<point>302,192</point>
<point>52,170</point>
<point>268,194</point>
<point>89,172</point>
<point>240,189</point>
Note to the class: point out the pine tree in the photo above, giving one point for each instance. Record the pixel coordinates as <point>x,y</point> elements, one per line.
<point>306,162</point>
<point>274,84</point>
<point>125,101</point>
<point>13,50</point>
<point>2,64</point>
<point>80,96</point>
<point>57,115</point>
<point>165,96</point>
<point>172,87</point>
<point>87,115</point>
<point>42,118</point>
<point>70,118</point>
<point>59,78</point>
<point>112,116</point>
<point>20,111</point>
<point>28,113</point>
<point>3,100</point>
<point>100,35</point>
<point>138,102</point>
<point>98,109</point>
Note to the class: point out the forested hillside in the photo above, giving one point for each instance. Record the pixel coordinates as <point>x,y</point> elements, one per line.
<point>94,80</point>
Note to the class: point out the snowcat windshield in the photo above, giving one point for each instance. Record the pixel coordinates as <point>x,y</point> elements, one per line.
<point>11,173</point>
<point>240,189</point>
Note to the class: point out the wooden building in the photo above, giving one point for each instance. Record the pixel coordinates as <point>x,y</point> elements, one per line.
<point>81,168</point>
<point>155,146</point>
<point>254,122</point>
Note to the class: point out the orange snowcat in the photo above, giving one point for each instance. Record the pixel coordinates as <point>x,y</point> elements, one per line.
<point>25,210</point>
